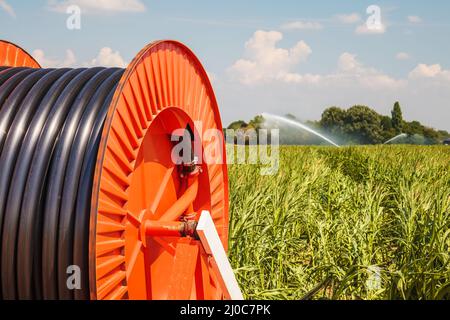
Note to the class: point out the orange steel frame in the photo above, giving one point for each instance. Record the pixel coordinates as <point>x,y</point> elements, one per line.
<point>143,243</point>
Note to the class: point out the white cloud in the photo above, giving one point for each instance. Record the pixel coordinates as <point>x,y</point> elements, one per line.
<point>351,71</point>
<point>264,61</point>
<point>98,6</point>
<point>402,56</point>
<point>302,25</point>
<point>48,62</point>
<point>414,19</point>
<point>347,63</point>
<point>365,30</point>
<point>350,18</point>
<point>7,7</point>
<point>105,58</point>
<point>435,71</point>
<point>307,78</point>
<point>108,58</point>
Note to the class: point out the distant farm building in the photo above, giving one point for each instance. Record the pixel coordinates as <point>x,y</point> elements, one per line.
<point>447,142</point>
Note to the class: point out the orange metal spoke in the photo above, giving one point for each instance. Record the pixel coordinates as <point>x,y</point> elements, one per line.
<point>162,188</point>
<point>134,256</point>
<point>182,204</point>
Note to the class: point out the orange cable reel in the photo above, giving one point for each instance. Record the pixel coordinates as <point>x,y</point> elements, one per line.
<point>12,55</point>
<point>145,207</point>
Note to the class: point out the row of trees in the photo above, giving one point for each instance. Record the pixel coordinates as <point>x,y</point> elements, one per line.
<point>362,125</point>
<point>256,123</point>
<point>356,125</point>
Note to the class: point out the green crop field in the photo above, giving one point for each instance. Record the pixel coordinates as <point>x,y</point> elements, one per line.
<point>348,223</point>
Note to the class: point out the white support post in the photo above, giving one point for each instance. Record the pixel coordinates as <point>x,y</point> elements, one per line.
<point>210,240</point>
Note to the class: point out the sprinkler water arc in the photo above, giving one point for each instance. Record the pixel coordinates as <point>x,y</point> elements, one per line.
<point>300,126</point>
<point>401,135</point>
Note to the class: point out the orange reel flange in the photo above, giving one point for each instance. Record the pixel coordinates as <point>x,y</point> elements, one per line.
<point>145,206</point>
<point>12,55</point>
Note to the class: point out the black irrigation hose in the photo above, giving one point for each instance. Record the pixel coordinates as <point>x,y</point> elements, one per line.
<point>20,182</point>
<point>52,121</point>
<point>6,73</point>
<point>81,244</point>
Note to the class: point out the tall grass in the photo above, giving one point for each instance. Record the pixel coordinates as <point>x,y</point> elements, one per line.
<point>349,223</point>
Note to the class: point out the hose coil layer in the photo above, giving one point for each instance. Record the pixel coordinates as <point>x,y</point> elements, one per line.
<point>51,122</point>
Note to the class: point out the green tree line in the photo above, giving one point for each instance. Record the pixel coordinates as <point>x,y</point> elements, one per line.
<point>356,125</point>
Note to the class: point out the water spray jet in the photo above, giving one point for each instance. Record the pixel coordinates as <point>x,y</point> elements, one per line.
<point>299,125</point>
<point>402,135</point>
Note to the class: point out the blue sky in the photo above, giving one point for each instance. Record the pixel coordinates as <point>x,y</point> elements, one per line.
<point>264,56</point>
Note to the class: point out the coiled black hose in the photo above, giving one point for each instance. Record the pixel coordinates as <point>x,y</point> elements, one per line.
<point>50,129</point>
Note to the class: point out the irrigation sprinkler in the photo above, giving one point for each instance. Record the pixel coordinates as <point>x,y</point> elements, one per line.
<point>299,125</point>
<point>87,180</point>
<point>397,137</point>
